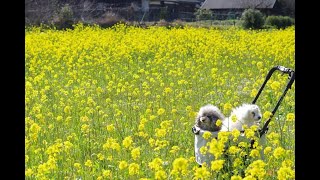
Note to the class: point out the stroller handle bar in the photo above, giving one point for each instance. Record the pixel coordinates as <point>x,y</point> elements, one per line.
<point>284,70</point>
<point>291,77</point>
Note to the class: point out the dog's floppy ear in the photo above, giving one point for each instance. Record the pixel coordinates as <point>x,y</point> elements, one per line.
<point>197,119</point>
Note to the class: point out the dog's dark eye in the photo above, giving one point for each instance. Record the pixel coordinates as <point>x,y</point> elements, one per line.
<point>253,113</point>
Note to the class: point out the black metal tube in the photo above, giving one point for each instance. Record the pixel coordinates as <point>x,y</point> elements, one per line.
<point>289,84</point>
<point>264,83</point>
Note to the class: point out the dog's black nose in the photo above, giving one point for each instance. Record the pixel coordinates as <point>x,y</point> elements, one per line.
<point>259,117</point>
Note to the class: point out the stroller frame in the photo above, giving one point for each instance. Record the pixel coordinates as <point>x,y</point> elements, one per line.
<point>291,77</point>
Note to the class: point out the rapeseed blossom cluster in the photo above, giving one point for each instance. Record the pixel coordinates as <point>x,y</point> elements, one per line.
<point>118,103</point>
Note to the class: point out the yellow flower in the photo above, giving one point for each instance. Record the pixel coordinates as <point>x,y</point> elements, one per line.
<point>141,127</point>
<point>28,172</point>
<point>180,165</point>
<point>227,107</point>
<point>217,165</point>
<point>285,173</point>
<point>267,114</point>
<point>67,109</point>
<point>167,90</point>
<point>287,163</point>
<point>134,168</point>
<point>35,128</point>
<point>254,153</point>
<point>152,142</point>
<point>267,150</point>
<point>203,150</point>
<point>127,142</point>
<point>192,159</point>
<point>253,93</point>
<point>68,119</point>
<point>249,178</point>
<point>106,173</point>
<point>218,123</point>
<point>110,128</point>
<point>206,135</point>
<point>279,152</point>
<point>249,133</point>
<point>111,144</point>
<point>109,158</point>
<point>26,158</point>
<point>152,117</point>
<point>148,111</point>
<point>123,165</point>
<point>156,164</point>
<point>259,64</point>
<point>84,119</point>
<point>234,149</point>
<point>160,132</point>
<point>189,108</point>
<point>51,163</point>
<point>237,163</point>
<point>290,117</point>
<point>43,168</point>
<point>273,138</point>
<point>142,134</point>
<point>236,177</point>
<point>275,85</point>
<point>77,165</point>
<point>100,156</point>
<point>160,174</point>
<point>174,111</point>
<point>256,169</point>
<point>201,173</point>
<point>85,128</point>
<point>135,153</point>
<point>223,136</point>
<point>235,133</point>
<point>88,163</point>
<point>161,111</point>
<point>216,148</point>
<point>174,149</point>
<point>234,118</point>
<point>166,124</point>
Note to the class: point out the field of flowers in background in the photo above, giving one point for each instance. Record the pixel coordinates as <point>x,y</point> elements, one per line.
<point>119,103</point>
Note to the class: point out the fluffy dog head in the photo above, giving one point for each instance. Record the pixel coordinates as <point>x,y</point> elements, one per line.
<point>207,118</point>
<point>248,113</point>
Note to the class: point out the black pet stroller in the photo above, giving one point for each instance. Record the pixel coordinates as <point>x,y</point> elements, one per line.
<point>264,129</point>
<point>291,77</point>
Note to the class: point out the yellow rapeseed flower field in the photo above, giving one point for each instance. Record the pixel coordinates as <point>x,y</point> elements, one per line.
<point>119,103</point>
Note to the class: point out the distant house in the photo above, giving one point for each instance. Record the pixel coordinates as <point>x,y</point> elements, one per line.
<point>173,9</point>
<point>223,9</point>
<point>238,4</point>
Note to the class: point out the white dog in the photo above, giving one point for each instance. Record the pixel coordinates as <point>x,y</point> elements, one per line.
<point>246,114</point>
<point>206,121</point>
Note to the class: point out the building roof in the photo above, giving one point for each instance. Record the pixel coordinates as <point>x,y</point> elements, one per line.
<point>238,4</point>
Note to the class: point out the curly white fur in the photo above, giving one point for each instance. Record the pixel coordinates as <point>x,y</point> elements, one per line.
<point>246,114</point>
